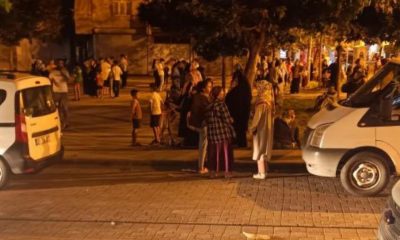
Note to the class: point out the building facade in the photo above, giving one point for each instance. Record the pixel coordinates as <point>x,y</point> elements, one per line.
<point>106,28</point>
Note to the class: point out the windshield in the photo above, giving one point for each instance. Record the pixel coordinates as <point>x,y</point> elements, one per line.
<point>38,101</point>
<point>378,86</point>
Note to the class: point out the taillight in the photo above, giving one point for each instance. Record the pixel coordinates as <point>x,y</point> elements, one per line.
<point>20,128</point>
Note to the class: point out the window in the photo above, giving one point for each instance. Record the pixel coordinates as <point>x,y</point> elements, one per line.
<point>121,8</point>
<point>3,95</point>
<point>38,101</point>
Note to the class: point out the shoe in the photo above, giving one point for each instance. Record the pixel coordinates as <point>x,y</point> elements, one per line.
<point>136,145</point>
<point>203,171</point>
<point>259,176</point>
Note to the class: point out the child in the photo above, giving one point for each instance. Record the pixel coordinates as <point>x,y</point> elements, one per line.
<point>136,116</point>
<point>155,107</point>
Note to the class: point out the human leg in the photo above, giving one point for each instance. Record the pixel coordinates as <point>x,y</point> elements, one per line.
<point>202,150</point>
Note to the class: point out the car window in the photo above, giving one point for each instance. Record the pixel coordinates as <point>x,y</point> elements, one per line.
<point>385,80</point>
<point>3,95</point>
<point>38,101</point>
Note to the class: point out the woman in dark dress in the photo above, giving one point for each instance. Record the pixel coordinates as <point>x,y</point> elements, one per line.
<point>190,138</point>
<point>238,101</point>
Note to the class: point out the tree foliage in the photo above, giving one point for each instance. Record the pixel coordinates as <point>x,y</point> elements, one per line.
<point>225,27</point>
<point>41,19</point>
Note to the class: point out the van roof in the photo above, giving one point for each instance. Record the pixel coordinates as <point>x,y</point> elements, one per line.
<point>22,80</point>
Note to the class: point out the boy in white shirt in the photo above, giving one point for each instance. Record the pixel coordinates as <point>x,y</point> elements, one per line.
<point>155,107</point>
<point>117,74</point>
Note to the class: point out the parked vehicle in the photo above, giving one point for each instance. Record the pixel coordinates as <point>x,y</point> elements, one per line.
<point>389,227</point>
<point>30,130</point>
<point>359,139</point>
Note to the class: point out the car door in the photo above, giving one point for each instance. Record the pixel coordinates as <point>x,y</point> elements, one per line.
<point>41,121</point>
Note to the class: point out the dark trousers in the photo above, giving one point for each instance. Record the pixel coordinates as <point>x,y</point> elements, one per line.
<point>116,87</point>
<point>295,86</point>
<point>61,101</point>
<point>124,79</point>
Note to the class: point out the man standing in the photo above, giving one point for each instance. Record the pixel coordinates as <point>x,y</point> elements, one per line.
<point>196,116</point>
<point>124,66</point>
<point>116,73</point>
<point>59,78</point>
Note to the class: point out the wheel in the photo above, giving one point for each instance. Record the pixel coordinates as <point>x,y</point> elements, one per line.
<point>4,174</point>
<point>365,174</point>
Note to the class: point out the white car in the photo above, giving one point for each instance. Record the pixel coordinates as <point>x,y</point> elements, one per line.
<point>30,131</point>
<point>359,140</point>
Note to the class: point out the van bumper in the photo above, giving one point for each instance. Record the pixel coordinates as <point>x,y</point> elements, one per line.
<point>19,161</point>
<point>322,162</point>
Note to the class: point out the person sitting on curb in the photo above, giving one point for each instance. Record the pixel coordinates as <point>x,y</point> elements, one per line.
<point>327,100</point>
<point>286,133</point>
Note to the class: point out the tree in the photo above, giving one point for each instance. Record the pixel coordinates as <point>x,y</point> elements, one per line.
<point>40,19</point>
<point>225,27</point>
<point>218,27</point>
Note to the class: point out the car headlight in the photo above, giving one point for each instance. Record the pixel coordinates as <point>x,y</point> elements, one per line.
<point>318,134</point>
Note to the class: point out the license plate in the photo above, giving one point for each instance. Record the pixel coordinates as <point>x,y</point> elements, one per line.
<point>42,140</point>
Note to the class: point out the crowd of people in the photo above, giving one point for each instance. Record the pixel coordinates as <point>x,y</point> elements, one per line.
<point>209,118</point>
<point>99,78</point>
<point>213,120</point>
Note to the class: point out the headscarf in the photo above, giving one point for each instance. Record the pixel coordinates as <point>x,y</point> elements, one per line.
<point>264,92</point>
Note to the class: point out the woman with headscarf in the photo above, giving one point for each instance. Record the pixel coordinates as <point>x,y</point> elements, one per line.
<point>220,134</point>
<point>238,101</point>
<point>262,127</point>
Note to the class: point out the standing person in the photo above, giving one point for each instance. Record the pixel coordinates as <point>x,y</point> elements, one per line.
<point>193,77</point>
<point>123,62</point>
<point>236,75</point>
<point>189,136</point>
<point>156,76</point>
<point>262,128</point>
<point>334,70</point>
<point>176,76</point>
<point>220,134</point>
<point>86,78</point>
<point>136,116</point>
<point>51,66</point>
<point>155,107</point>
<point>297,71</point>
<point>288,71</point>
<point>78,79</point>
<point>325,73</point>
<point>196,116</point>
<point>105,67</point>
<point>277,80</point>
<point>117,76</point>
<point>161,73</point>
<point>60,77</point>
<point>238,101</point>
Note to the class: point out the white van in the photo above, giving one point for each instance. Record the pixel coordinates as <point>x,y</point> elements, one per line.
<point>30,131</point>
<point>360,139</point>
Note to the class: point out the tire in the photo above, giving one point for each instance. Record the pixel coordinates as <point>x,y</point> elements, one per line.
<point>365,174</point>
<point>4,174</point>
